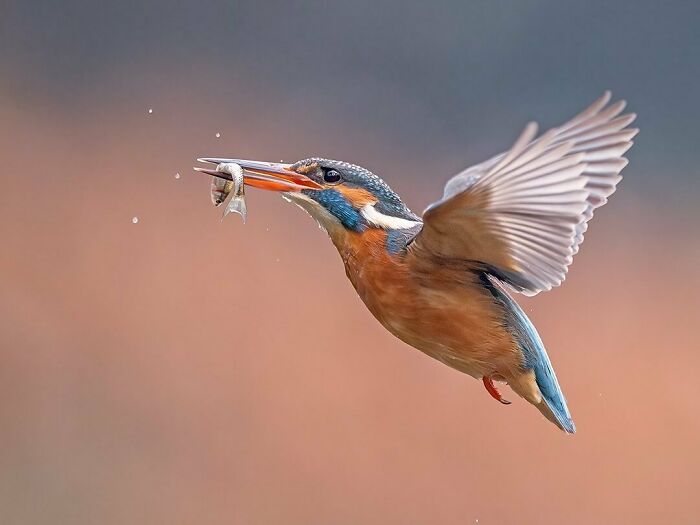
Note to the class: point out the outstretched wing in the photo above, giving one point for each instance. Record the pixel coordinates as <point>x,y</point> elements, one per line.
<point>522,214</point>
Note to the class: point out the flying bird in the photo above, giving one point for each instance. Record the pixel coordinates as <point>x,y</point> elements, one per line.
<point>442,282</point>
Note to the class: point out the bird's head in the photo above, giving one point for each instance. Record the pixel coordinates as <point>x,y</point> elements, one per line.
<point>342,197</point>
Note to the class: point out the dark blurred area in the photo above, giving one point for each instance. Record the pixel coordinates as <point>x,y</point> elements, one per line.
<point>184,370</point>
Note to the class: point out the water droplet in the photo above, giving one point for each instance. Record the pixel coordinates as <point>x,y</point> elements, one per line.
<point>150,111</point>
<point>177,175</point>
<point>277,260</point>
<point>134,220</point>
<point>267,229</point>
<point>218,135</point>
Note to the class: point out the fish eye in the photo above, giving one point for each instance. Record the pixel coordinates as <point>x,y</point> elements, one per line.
<point>331,176</point>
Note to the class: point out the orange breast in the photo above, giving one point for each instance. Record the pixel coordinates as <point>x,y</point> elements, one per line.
<point>442,311</point>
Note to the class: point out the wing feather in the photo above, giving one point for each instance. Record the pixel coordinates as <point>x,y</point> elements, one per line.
<point>523,213</point>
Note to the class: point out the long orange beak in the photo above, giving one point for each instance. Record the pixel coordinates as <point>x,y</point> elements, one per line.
<point>270,176</point>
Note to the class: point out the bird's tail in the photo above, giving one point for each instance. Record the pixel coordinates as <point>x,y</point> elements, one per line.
<point>551,401</point>
<point>539,386</point>
<point>537,383</point>
<point>560,419</point>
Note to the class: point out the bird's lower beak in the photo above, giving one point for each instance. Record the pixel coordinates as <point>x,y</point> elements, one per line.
<point>270,176</point>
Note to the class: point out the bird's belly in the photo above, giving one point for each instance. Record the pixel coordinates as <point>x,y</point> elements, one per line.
<point>456,323</point>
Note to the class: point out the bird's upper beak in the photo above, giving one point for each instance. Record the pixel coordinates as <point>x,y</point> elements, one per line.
<point>271,176</point>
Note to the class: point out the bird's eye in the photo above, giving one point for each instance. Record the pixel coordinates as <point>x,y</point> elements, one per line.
<point>331,176</point>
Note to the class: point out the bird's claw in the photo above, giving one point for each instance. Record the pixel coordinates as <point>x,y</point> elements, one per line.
<point>491,389</point>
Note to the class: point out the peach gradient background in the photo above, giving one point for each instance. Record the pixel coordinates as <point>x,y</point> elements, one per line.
<point>184,370</point>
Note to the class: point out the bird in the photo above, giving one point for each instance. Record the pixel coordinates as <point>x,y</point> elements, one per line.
<point>444,282</point>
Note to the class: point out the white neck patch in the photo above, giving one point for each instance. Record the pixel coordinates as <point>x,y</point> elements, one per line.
<point>333,226</point>
<point>387,222</point>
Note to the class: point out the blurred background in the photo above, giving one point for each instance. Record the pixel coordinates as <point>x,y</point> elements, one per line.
<point>179,369</point>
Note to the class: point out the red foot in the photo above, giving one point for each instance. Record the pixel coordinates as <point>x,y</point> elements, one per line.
<point>491,389</point>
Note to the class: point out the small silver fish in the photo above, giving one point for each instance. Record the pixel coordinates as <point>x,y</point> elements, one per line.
<point>220,188</point>
<point>235,187</point>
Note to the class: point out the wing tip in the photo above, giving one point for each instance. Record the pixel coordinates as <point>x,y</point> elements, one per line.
<point>601,101</point>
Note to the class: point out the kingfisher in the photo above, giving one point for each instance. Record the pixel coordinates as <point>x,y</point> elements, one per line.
<point>442,282</point>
